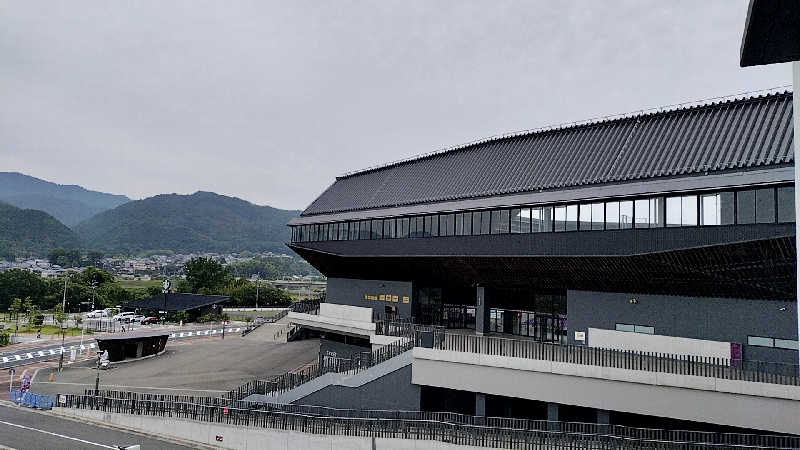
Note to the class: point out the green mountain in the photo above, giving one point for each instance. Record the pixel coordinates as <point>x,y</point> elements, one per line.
<point>68,203</point>
<point>27,232</point>
<point>201,222</point>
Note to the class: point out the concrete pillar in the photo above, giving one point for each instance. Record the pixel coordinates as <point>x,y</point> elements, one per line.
<point>603,417</point>
<point>481,311</point>
<point>480,404</point>
<point>552,412</point>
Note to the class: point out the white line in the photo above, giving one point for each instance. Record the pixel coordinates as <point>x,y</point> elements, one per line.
<point>58,435</point>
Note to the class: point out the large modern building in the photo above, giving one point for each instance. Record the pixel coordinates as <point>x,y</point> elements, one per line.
<point>670,232</point>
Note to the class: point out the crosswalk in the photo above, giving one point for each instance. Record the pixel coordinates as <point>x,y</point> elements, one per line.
<point>29,355</point>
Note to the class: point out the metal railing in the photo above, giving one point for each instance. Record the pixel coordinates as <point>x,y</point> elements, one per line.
<point>307,306</point>
<point>32,399</point>
<point>723,368</point>
<point>445,427</point>
<point>352,365</point>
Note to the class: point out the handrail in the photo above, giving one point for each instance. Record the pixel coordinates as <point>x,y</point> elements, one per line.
<point>722,368</point>
<point>487,432</point>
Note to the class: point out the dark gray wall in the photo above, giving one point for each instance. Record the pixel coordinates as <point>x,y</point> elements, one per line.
<point>392,391</point>
<point>718,319</point>
<point>342,350</point>
<point>347,291</point>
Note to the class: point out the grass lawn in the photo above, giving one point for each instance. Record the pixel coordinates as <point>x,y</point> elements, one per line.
<point>138,284</point>
<point>47,330</point>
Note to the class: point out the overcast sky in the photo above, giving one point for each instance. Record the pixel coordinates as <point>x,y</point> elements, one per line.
<point>270,101</point>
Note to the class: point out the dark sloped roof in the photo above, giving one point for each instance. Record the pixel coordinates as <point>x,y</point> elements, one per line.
<point>737,134</point>
<point>132,336</point>
<point>176,302</point>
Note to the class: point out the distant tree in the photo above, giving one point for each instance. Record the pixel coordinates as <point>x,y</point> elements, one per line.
<point>92,273</point>
<point>16,306</point>
<point>93,257</point>
<point>59,315</point>
<point>21,283</point>
<point>205,276</point>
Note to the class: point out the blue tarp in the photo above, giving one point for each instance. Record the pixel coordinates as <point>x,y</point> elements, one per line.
<point>32,399</point>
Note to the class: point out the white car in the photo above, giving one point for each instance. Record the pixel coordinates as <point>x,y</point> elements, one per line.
<point>124,317</point>
<point>96,314</point>
<point>138,318</point>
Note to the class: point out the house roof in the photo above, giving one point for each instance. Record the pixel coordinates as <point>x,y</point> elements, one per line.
<point>132,336</point>
<point>176,302</point>
<point>734,135</point>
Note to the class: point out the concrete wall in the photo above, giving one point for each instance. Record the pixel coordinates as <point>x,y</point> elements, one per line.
<point>623,340</point>
<point>346,312</point>
<point>243,438</point>
<point>759,406</point>
<point>715,319</point>
<point>341,349</point>
<point>347,291</point>
<point>391,391</point>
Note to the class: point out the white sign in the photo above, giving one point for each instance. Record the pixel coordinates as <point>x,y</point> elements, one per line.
<point>62,399</point>
<point>580,336</point>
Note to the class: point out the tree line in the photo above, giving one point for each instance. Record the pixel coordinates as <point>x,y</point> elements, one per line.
<point>202,276</point>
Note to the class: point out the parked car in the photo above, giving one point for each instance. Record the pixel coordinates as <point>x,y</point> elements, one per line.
<point>96,314</point>
<point>138,318</point>
<point>149,320</point>
<point>123,317</point>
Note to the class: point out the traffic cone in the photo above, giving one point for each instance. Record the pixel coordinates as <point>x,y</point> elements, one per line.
<point>51,377</point>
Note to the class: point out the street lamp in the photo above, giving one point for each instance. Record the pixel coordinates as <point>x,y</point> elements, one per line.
<point>93,284</point>
<point>257,280</point>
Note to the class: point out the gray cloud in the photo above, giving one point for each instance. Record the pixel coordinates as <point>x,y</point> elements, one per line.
<point>269,101</point>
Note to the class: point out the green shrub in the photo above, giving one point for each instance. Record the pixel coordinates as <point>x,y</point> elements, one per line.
<point>4,339</point>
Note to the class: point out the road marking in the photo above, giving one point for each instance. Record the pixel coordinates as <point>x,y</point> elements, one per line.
<point>62,436</point>
<point>40,353</point>
<point>30,356</point>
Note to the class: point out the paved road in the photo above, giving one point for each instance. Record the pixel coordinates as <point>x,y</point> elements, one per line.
<point>12,357</point>
<point>21,428</point>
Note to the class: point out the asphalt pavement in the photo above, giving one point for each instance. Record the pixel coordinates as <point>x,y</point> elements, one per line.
<point>21,428</point>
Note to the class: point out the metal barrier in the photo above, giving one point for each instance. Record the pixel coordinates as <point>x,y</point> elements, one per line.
<point>722,368</point>
<point>496,432</point>
<point>32,399</point>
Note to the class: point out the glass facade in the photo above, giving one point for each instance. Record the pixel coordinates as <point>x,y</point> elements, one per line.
<point>743,206</point>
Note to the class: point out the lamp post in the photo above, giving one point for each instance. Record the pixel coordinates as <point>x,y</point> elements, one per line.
<point>61,358</point>
<point>93,284</point>
<point>257,280</point>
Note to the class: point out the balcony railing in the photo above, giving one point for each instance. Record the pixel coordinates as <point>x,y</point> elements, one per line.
<point>723,368</point>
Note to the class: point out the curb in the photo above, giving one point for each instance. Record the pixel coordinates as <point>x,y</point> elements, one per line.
<point>110,426</point>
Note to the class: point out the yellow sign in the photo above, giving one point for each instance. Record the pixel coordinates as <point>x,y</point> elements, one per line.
<point>405,299</point>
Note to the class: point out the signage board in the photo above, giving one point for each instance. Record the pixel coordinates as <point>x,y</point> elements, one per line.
<point>580,336</point>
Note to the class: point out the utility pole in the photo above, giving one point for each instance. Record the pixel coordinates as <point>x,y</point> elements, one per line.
<point>93,284</point>
<point>64,300</point>
<point>61,358</point>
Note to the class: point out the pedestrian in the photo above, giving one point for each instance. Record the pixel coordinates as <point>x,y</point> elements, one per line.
<point>39,333</point>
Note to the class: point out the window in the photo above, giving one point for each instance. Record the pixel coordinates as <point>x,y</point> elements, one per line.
<point>765,205</point>
<point>420,226</point>
<point>547,219</point>
<point>446,227</point>
<point>434,225</point>
<point>626,214</point>
<point>402,227</point>
<point>342,231</point>
<point>657,212</point>
<point>786,343</point>
<point>467,224</point>
<point>598,216</point>
<point>612,215</point>
<point>485,221</point>
<point>642,209</point>
<point>760,341</point>
<point>561,218</point>
<point>459,224</point>
<point>673,211</point>
<point>388,228</point>
<point>631,328</point>
<point>333,232</point>
<point>353,230</point>
<point>427,230</point>
<point>377,229</point>
<point>364,232</point>
<point>476,222</point>
<point>585,216</point>
<point>515,220</point>
<point>746,207</point>
<point>572,217</point>
<point>689,210</point>
<point>786,204</point>
<point>412,227</point>
<point>500,221</point>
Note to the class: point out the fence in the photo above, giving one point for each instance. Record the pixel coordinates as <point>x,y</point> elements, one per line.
<point>445,427</point>
<point>32,399</point>
<point>352,365</point>
<point>723,368</point>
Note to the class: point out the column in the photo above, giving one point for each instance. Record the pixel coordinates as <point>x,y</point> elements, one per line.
<point>796,106</point>
<point>603,417</point>
<point>480,404</point>
<point>552,416</point>
<point>481,311</point>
